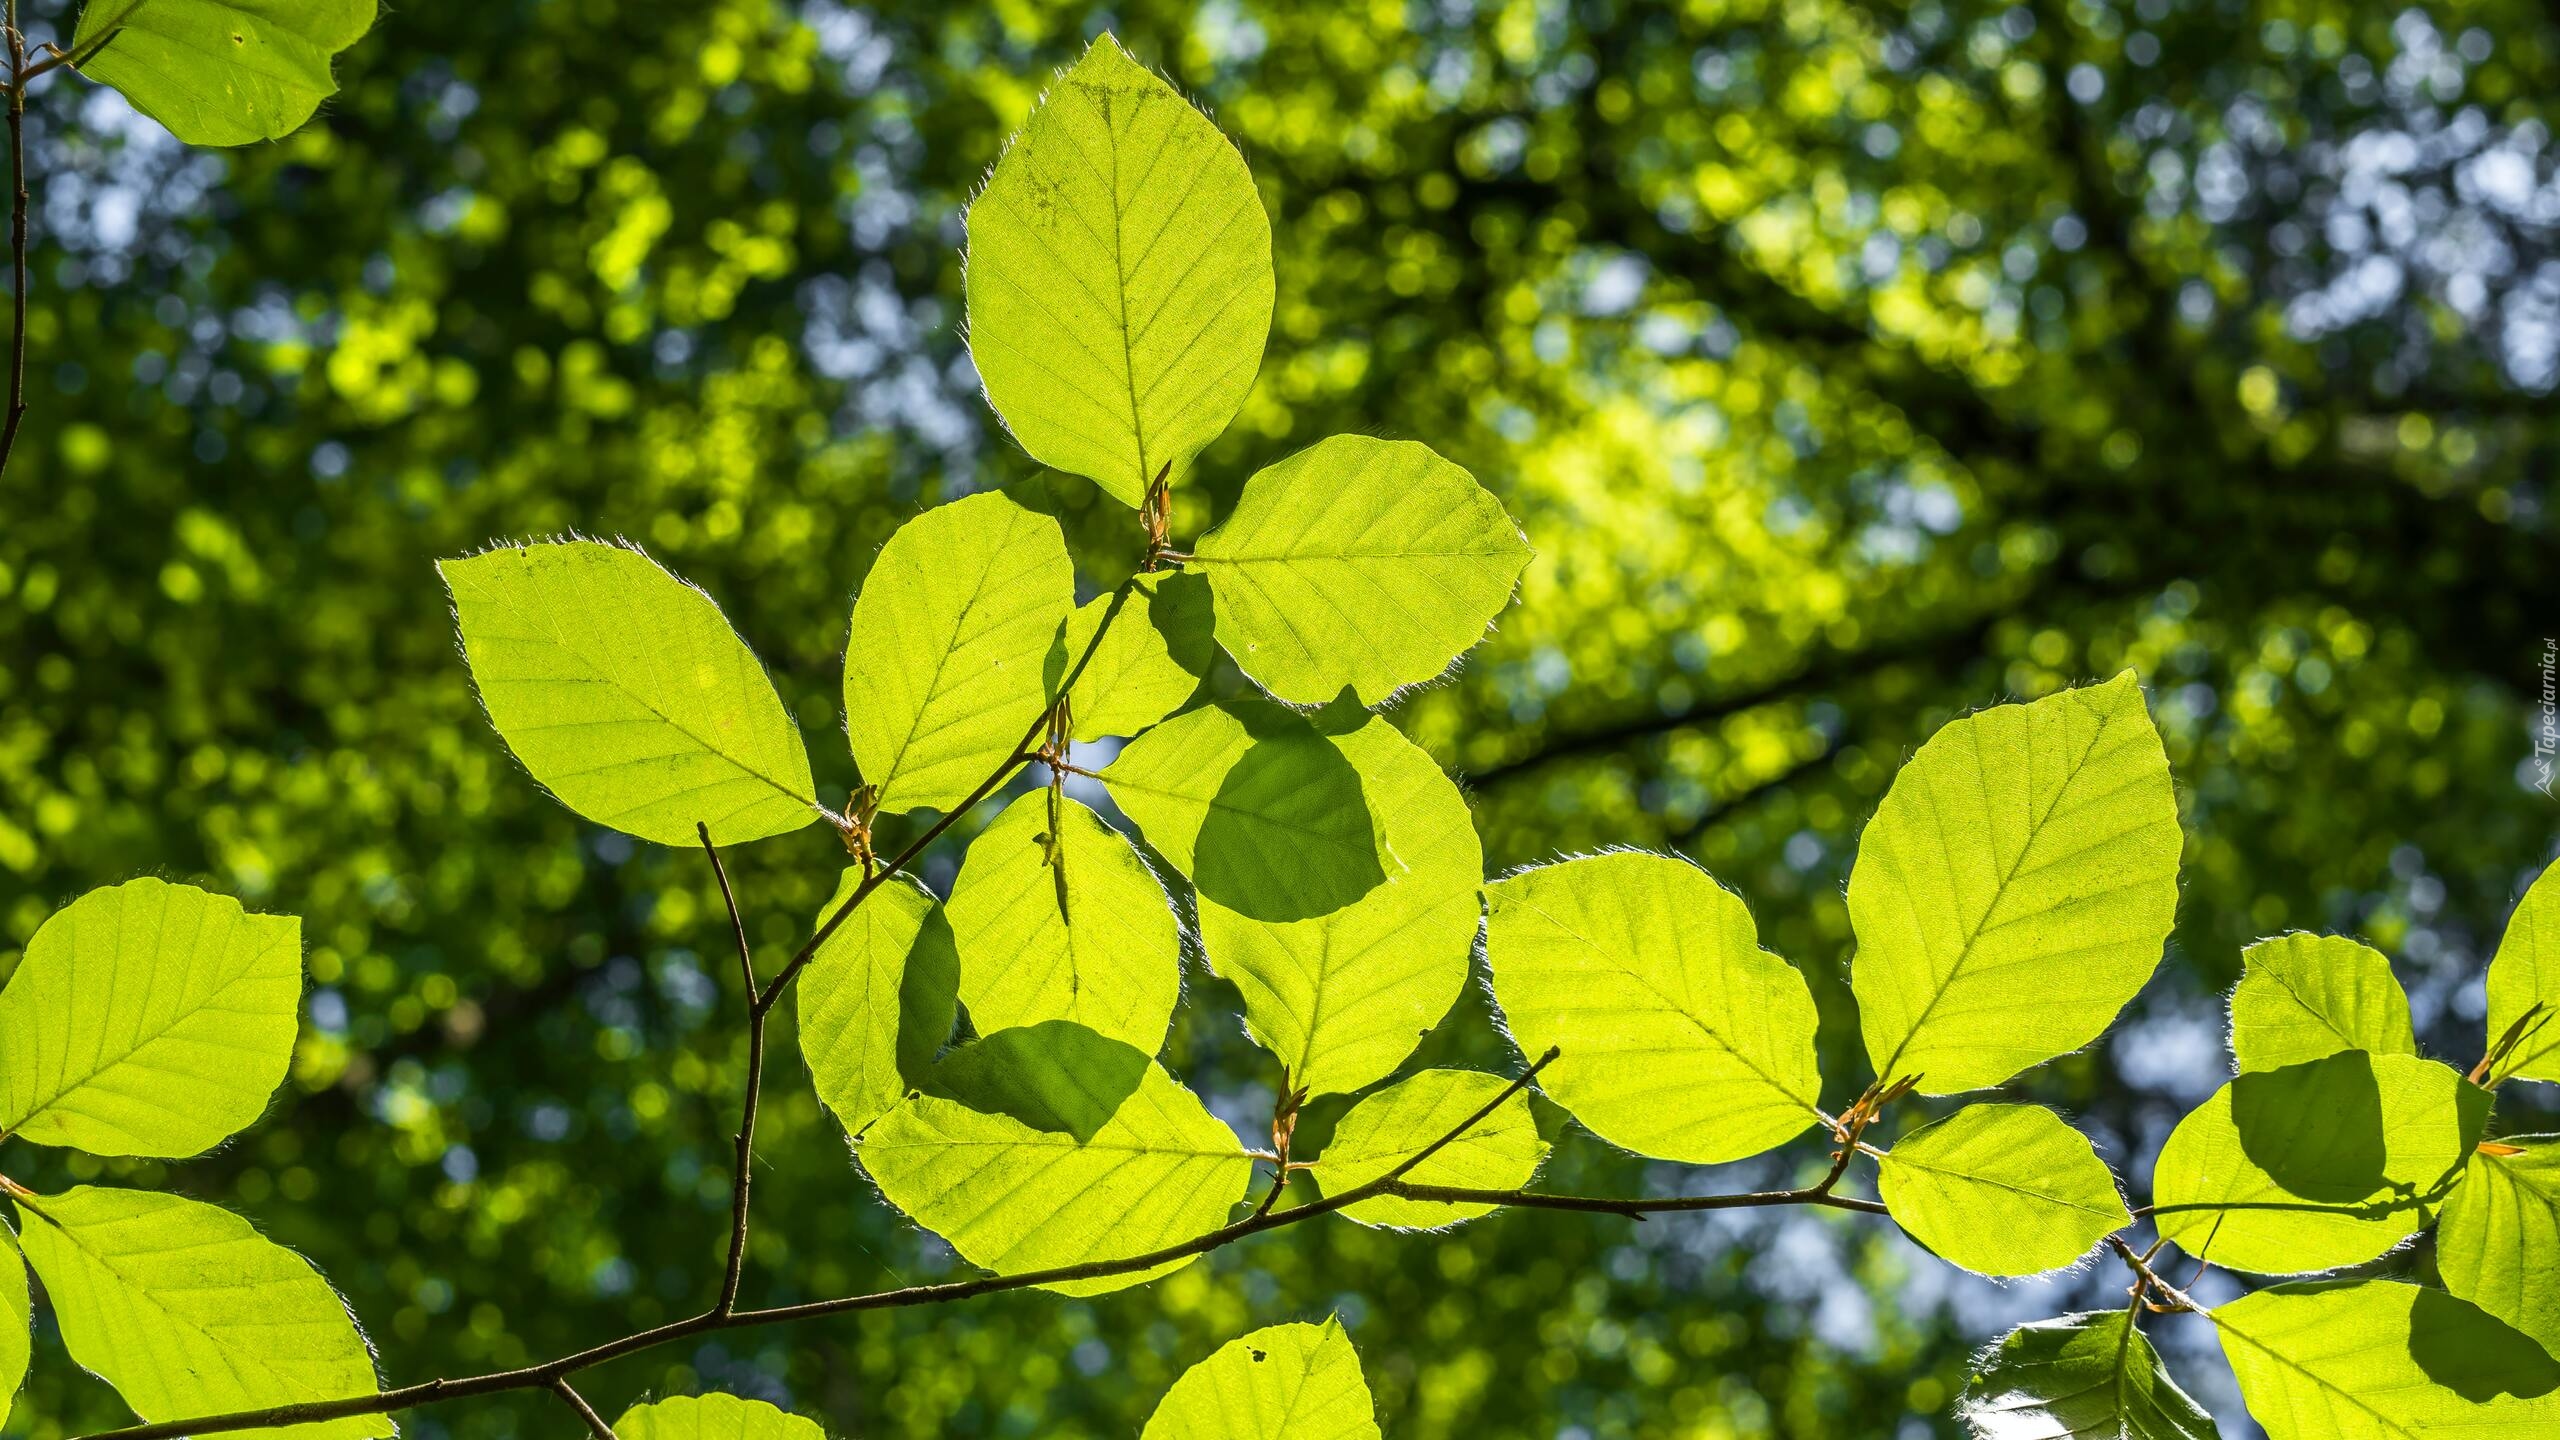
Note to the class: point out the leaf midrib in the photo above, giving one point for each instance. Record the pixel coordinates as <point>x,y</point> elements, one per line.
<point>2012,1187</point>
<point>104,1064</point>
<point>1973,932</point>
<point>234,1355</point>
<point>498,596</point>
<point>1722,1041</point>
<point>2289,1363</point>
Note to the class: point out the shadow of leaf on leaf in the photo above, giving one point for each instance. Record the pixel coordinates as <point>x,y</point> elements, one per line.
<point>1055,1076</point>
<point>2316,1127</point>
<point>928,998</point>
<point>1289,835</point>
<point>2475,1354</point>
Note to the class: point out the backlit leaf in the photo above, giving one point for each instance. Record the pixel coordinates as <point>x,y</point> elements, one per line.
<point>1150,661</point>
<point>2001,1190</point>
<point>1079,930</point>
<point>1119,277</point>
<point>2380,1360</point>
<point>1263,811</point>
<point>1062,1147</point>
<point>713,1417</point>
<point>946,671</point>
<point>187,1311</point>
<point>2526,973</point>
<point>1358,564</point>
<point>1500,1152</point>
<point>2328,1163</point>
<point>148,1019</point>
<point>2082,1377</point>
<point>878,999</point>
<point>14,1320</point>
<point>2498,1240</point>
<point>624,691</point>
<point>2305,996</point>
<point>2015,887</point>
<point>220,72</point>
<point>1681,1038</point>
<point>1343,998</point>
<point>1288,1382</point>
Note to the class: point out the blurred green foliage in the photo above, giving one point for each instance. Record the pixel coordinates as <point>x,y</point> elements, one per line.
<point>1850,366</point>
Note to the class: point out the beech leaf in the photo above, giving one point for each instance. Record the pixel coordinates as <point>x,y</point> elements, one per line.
<point>1119,278</point>
<point>1358,565</point>
<point>1287,1382</point>
<point>148,1019</point>
<point>1680,1037</point>
<point>2015,888</point>
<point>626,694</point>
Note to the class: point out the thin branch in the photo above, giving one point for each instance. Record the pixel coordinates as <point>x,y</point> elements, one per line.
<point>569,1396</point>
<point>18,76</point>
<point>541,1376</point>
<point>2174,1297</point>
<point>1022,754</point>
<point>552,1374</point>
<point>1284,1130</point>
<point>746,1137</point>
<point>1636,1208</point>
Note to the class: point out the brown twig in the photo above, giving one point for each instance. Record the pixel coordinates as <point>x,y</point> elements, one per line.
<point>2171,1297</point>
<point>1022,754</point>
<point>570,1397</point>
<point>1819,1193</point>
<point>552,1374</point>
<point>1284,1129</point>
<point>19,75</point>
<point>746,1136</point>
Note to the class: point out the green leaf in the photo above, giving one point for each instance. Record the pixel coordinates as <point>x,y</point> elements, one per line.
<point>1119,278</point>
<point>187,1311</point>
<point>1263,812</point>
<point>2526,973</point>
<point>2015,887</point>
<point>2498,1240</point>
<point>220,72</point>
<point>1076,929</point>
<point>1359,564</point>
<point>2001,1190</point>
<point>878,999</point>
<point>148,1019</point>
<point>2328,1163</point>
<point>15,1320</point>
<point>1343,998</point>
<point>1287,1382</point>
<point>1681,1038</point>
<point>1053,1146</point>
<point>2380,1360</point>
<point>952,635</point>
<point>2305,996</point>
<point>1150,661</point>
<point>713,1417</point>
<point>2082,1377</point>
<point>1500,1152</point>
<point>626,694</point>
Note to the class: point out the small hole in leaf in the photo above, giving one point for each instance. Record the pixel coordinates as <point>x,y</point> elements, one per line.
<point>1259,1356</point>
